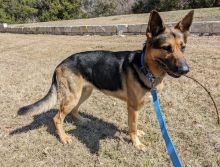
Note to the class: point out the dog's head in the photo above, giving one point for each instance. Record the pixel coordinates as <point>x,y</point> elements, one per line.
<point>166,45</point>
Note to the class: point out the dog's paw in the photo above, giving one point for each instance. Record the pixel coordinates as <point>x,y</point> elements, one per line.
<point>66,139</point>
<point>141,147</point>
<point>140,133</point>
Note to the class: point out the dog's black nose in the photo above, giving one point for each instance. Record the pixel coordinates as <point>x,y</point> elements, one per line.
<point>183,69</point>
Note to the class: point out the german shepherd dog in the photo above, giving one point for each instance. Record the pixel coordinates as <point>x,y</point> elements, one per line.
<point>117,74</point>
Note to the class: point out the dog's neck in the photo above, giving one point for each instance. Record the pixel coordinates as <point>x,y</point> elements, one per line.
<point>153,66</point>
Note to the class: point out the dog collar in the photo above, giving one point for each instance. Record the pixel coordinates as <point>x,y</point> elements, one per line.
<point>146,70</point>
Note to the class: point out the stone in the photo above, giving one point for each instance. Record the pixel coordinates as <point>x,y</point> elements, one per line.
<point>143,28</point>
<point>110,29</point>
<point>200,27</point>
<point>58,30</point>
<point>134,28</point>
<point>83,29</point>
<point>99,29</point>
<point>91,29</point>
<point>3,25</point>
<point>216,27</point>
<point>121,29</point>
<point>75,30</point>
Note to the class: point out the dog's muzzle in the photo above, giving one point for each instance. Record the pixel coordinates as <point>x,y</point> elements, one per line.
<point>175,71</point>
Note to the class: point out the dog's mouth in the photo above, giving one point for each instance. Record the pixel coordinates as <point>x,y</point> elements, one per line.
<point>165,68</point>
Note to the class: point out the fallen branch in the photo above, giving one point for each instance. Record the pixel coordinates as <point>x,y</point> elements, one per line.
<point>218,119</point>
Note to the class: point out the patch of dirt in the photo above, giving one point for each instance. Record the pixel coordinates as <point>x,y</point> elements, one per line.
<point>27,63</point>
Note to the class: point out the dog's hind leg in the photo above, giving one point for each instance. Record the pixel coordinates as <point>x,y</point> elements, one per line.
<point>86,92</point>
<point>65,108</point>
<point>69,91</point>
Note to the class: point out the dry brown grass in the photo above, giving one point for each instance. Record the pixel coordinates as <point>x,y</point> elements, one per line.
<point>205,14</point>
<point>27,63</point>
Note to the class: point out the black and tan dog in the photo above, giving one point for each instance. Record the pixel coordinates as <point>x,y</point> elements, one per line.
<point>117,74</point>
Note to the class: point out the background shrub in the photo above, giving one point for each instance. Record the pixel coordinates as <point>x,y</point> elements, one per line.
<point>144,6</point>
<point>104,8</point>
<point>21,11</point>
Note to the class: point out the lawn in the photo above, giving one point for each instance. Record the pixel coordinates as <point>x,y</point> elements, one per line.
<point>27,63</point>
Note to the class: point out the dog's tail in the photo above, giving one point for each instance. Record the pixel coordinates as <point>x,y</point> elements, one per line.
<point>44,104</point>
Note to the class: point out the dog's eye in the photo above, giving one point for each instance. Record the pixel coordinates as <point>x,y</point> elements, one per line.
<point>167,48</point>
<point>183,47</point>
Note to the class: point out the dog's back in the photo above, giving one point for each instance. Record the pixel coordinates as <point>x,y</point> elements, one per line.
<point>103,69</point>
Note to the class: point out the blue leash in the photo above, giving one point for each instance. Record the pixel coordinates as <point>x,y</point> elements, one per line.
<point>170,147</point>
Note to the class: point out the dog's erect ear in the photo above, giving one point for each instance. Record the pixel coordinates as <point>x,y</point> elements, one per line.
<point>186,22</point>
<point>155,24</point>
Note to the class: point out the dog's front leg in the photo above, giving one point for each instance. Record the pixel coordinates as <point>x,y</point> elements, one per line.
<point>132,125</point>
